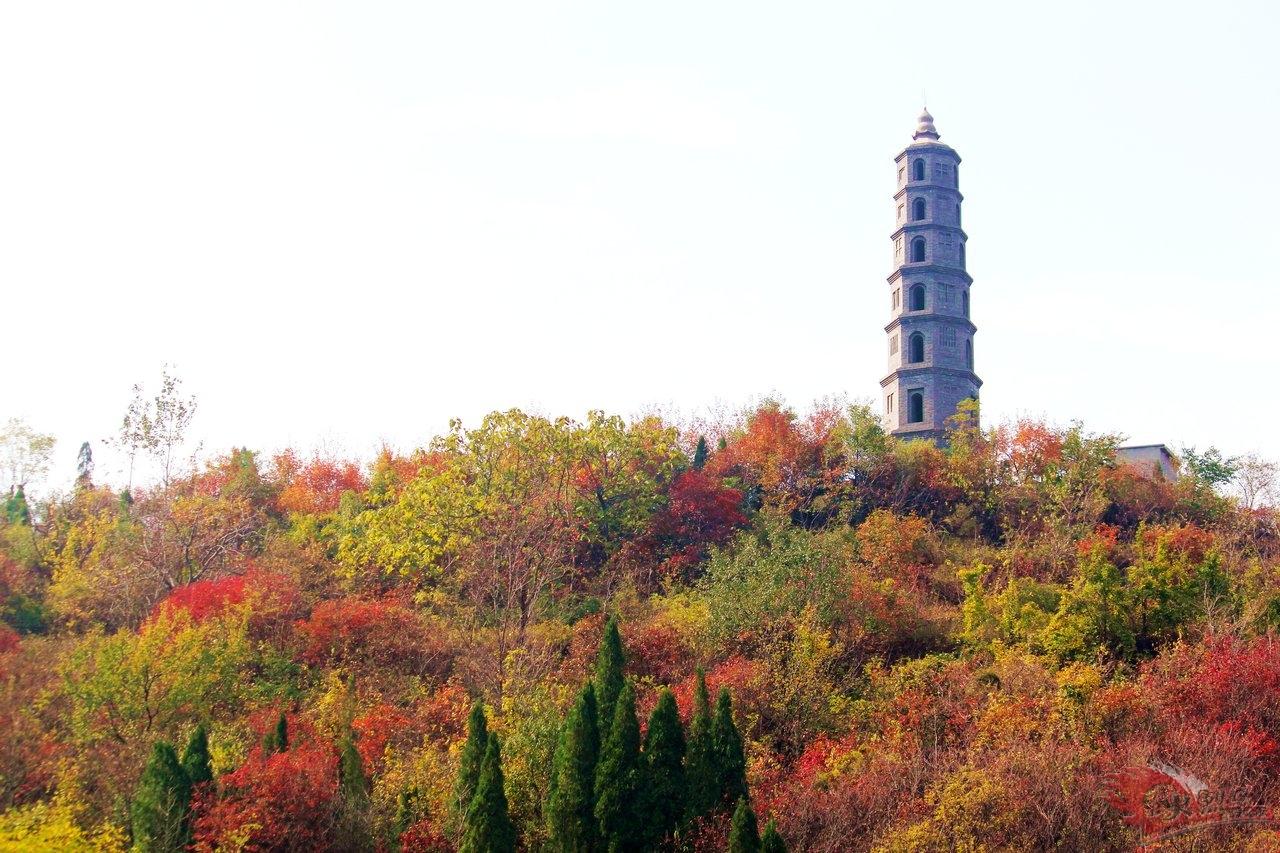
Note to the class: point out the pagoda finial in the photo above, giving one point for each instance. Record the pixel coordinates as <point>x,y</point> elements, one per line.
<point>924,126</point>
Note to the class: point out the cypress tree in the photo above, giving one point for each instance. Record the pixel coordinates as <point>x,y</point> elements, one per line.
<point>619,783</point>
<point>16,509</point>
<point>472,760</point>
<point>353,799</point>
<point>405,816</point>
<point>488,823</point>
<point>571,820</point>
<point>744,836</point>
<point>703,787</point>
<point>195,757</point>
<point>84,466</point>
<point>771,841</point>
<point>730,760</point>
<point>609,679</point>
<point>353,784</point>
<point>700,453</point>
<point>158,813</point>
<point>665,787</point>
<point>277,740</point>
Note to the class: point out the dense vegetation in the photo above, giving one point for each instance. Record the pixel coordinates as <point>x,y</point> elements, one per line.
<point>777,632</point>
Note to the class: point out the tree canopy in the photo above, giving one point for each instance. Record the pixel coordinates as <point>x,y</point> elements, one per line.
<point>776,630</point>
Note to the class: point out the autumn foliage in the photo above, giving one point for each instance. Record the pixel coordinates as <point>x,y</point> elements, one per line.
<point>315,487</point>
<point>276,801</point>
<point>1009,642</point>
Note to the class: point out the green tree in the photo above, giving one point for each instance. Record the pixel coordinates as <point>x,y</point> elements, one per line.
<point>1092,614</point>
<point>609,678</point>
<point>472,760</point>
<point>529,738</point>
<point>771,841</point>
<point>771,576</point>
<point>702,786</point>
<point>700,453</point>
<point>664,751</point>
<point>624,474</point>
<point>353,783</point>
<point>407,808</point>
<point>158,813</point>
<point>571,821</point>
<point>1210,467</point>
<point>744,835</point>
<point>862,436</point>
<point>619,783</point>
<point>729,756</point>
<point>277,740</point>
<point>353,799</point>
<point>148,685</point>
<point>84,466</point>
<point>16,508</point>
<point>195,757</point>
<point>488,827</point>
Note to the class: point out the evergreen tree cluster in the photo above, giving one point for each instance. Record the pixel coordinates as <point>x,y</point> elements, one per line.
<point>610,791</point>
<point>744,833</point>
<point>160,814</point>
<point>480,792</point>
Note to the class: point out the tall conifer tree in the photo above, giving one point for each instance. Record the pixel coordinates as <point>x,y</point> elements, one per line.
<point>744,834</point>
<point>665,788</point>
<point>700,453</point>
<point>472,760</point>
<point>277,740</point>
<point>16,508</point>
<point>404,813</point>
<point>195,757</point>
<point>571,820</point>
<point>405,816</point>
<point>702,780</point>
<point>353,828</point>
<point>619,783</point>
<point>158,813</point>
<point>609,678</point>
<point>353,783</point>
<point>771,841</point>
<point>488,822</point>
<point>84,466</point>
<point>730,758</point>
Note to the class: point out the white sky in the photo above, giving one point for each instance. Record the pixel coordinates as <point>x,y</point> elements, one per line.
<point>349,222</point>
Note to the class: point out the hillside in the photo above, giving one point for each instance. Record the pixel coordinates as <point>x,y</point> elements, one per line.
<point>498,641</point>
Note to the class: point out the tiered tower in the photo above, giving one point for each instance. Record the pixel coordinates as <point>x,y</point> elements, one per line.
<point>930,333</point>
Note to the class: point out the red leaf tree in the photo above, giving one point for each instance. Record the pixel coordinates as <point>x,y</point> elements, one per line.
<point>274,801</point>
